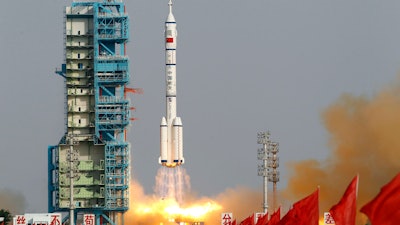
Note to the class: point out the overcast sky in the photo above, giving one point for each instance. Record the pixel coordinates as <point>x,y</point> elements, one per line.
<point>242,67</point>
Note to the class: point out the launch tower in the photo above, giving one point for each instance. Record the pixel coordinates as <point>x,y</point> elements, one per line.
<point>89,169</point>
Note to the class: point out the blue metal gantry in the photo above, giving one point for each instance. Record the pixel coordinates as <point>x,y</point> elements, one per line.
<point>94,154</point>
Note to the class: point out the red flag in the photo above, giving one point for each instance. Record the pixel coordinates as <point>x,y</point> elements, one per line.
<point>275,217</point>
<point>248,221</point>
<point>384,209</point>
<point>263,220</point>
<point>304,212</point>
<point>344,212</point>
<point>169,40</point>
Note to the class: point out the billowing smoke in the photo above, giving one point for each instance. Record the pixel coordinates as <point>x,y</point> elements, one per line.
<point>241,201</point>
<point>12,201</point>
<point>364,139</point>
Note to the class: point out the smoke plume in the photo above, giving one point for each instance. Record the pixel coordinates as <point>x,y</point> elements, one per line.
<point>241,201</point>
<point>12,201</point>
<point>364,139</point>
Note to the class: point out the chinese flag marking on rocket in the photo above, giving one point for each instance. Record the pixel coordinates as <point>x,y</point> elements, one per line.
<point>170,40</point>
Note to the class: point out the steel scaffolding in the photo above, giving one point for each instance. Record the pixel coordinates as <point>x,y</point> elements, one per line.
<point>96,73</point>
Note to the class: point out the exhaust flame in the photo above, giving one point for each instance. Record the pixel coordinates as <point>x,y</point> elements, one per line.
<point>152,209</point>
<point>170,210</point>
<point>364,140</point>
<point>172,183</point>
<point>321,221</point>
<point>167,208</point>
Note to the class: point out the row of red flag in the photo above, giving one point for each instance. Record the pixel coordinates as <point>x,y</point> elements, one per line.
<point>384,209</point>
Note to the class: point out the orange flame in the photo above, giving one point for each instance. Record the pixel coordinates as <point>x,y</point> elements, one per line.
<point>321,221</point>
<point>153,210</point>
<point>150,210</point>
<point>169,209</point>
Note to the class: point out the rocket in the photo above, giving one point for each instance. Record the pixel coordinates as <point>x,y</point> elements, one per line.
<point>171,136</point>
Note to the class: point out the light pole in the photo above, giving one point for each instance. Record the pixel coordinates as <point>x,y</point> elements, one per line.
<point>269,167</point>
<point>263,139</point>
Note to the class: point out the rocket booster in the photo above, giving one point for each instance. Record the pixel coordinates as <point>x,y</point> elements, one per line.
<point>171,136</point>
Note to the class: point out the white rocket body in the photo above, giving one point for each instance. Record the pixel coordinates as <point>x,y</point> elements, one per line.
<point>171,136</point>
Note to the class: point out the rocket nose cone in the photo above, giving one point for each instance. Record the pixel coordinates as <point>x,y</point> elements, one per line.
<point>163,121</point>
<point>171,17</point>
<point>178,121</point>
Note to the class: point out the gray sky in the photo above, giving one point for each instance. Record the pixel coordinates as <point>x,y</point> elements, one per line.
<point>242,67</point>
